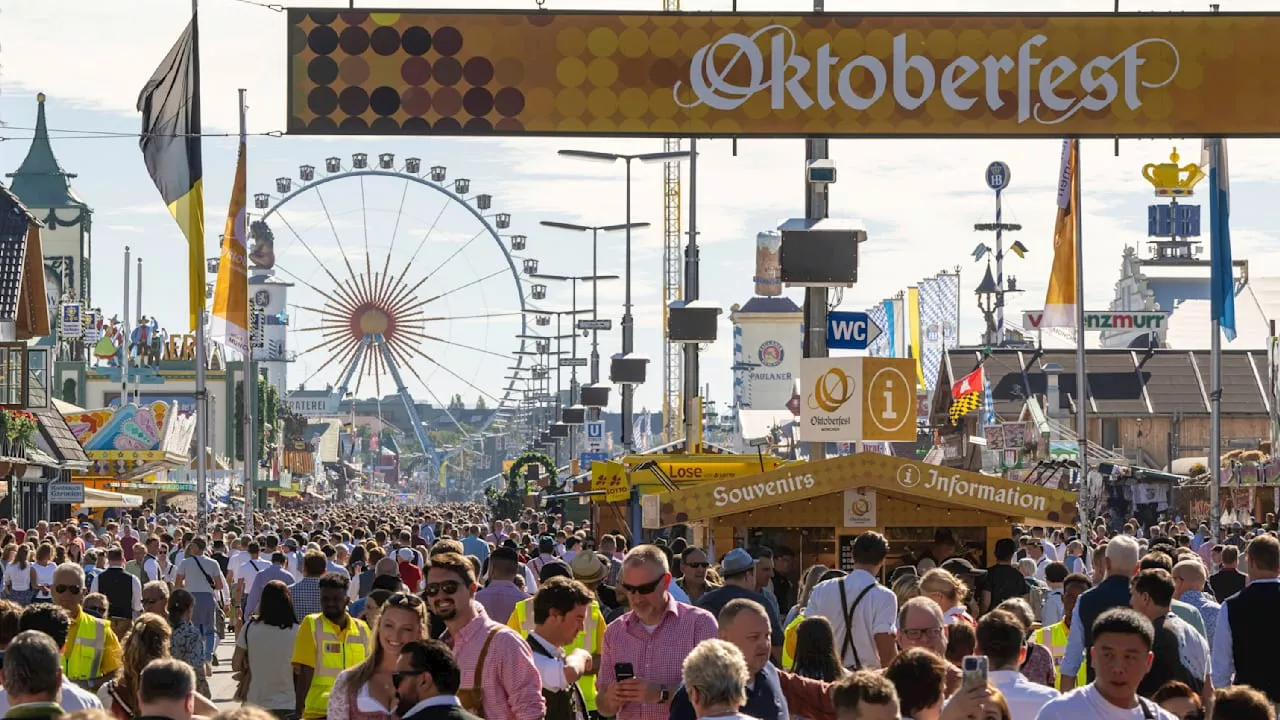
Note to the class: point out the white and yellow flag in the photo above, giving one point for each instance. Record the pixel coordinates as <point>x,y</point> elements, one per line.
<point>1060,302</point>
<point>230,321</point>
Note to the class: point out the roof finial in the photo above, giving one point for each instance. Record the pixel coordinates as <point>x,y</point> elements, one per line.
<point>40,98</point>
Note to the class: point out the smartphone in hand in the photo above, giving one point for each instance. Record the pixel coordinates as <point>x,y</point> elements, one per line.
<point>976,669</point>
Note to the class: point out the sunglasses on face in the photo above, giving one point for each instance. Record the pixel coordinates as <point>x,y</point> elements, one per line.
<point>398,676</point>
<point>698,565</point>
<point>95,611</point>
<point>644,589</point>
<point>66,588</point>
<point>448,587</point>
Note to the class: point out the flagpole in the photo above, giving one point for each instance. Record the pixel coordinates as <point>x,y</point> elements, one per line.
<point>249,371</point>
<point>1082,393</point>
<point>125,336</point>
<point>202,398</point>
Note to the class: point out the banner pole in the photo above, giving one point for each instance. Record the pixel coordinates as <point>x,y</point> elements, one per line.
<point>1082,392</point>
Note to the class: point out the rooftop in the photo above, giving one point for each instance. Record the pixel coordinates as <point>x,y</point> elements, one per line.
<point>40,181</point>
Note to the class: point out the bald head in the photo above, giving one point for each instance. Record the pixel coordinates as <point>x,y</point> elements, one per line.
<point>1188,575</point>
<point>387,566</point>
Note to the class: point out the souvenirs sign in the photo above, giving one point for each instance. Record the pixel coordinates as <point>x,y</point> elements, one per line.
<point>1014,501</point>
<point>739,74</point>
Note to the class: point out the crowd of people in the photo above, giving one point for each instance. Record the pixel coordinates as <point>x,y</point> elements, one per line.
<point>353,612</point>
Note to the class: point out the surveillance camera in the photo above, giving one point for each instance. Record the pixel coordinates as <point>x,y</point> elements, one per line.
<point>821,172</point>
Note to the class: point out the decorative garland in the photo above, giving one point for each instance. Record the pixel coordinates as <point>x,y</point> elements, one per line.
<point>530,457</point>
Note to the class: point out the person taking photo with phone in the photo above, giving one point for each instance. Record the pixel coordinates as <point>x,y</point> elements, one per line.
<point>644,648</point>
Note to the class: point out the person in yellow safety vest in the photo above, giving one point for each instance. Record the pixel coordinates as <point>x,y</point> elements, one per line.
<point>92,653</point>
<point>587,564</point>
<point>789,642</point>
<point>1054,637</point>
<point>327,643</point>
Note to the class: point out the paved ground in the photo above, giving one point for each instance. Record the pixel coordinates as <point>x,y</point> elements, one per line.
<point>221,686</point>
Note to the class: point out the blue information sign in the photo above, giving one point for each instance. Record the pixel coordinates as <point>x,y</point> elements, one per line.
<point>851,330</point>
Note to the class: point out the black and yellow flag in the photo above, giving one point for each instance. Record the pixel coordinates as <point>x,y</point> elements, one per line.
<point>170,107</point>
<point>964,405</point>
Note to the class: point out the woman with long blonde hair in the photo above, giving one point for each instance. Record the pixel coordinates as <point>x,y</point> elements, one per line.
<point>950,593</point>
<point>366,691</point>
<point>148,640</point>
<point>808,582</point>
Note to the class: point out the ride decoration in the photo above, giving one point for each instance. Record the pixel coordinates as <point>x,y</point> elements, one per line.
<point>509,502</point>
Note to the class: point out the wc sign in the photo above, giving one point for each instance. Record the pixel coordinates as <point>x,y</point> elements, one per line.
<point>851,331</point>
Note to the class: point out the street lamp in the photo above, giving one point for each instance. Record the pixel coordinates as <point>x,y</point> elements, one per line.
<point>573,350</point>
<point>595,231</point>
<point>628,322</point>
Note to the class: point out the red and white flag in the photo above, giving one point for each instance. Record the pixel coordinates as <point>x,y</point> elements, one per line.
<point>970,383</point>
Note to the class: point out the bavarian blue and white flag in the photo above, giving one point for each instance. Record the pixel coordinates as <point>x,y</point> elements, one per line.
<point>1213,158</point>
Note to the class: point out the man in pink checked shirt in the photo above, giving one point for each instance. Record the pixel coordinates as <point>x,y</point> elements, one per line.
<point>499,680</point>
<point>653,638</point>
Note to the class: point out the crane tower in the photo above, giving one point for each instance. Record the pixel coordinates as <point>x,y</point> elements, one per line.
<point>672,283</point>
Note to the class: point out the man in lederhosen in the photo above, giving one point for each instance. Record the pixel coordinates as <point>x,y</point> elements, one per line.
<point>560,609</point>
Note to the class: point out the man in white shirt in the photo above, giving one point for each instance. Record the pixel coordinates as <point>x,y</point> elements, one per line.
<point>1121,656</point>
<point>870,642</point>
<point>559,613</point>
<point>1000,638</point>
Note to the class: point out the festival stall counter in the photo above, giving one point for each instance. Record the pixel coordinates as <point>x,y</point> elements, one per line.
<point>139,450</point>
<point>816,508</point>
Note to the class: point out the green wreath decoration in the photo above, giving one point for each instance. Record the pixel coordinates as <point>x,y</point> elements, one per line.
<point>530,457</point>
<point>507,503</point>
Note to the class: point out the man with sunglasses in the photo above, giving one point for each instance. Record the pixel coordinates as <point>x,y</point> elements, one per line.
<point>426,682</point>
<point>650,641</point>
<point>498,678</point>
<point>92,653</point>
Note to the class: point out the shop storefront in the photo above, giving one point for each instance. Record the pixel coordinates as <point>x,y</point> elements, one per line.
<point>817,508</point>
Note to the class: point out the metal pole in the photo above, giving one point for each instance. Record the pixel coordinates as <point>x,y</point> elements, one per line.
<point>127,335</point>
<point>249,373</point>
<point>628,432</point>
<point>1215,426</point>
<point>692,441</point>
<point>202,400</point>
<point>999,273</point>
<point>595,304</point>
<point>1082,391</point>
<point>815,299</point>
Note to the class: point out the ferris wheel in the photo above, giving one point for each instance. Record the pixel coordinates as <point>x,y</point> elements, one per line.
<point>399,277</point>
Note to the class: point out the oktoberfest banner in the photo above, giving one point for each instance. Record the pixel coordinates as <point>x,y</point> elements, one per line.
<point>738,74</point>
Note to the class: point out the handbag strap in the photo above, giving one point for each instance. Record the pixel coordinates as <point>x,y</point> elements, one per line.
<point>205,573</point>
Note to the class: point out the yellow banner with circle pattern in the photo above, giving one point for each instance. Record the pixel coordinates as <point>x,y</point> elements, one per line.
<point>717,74</point>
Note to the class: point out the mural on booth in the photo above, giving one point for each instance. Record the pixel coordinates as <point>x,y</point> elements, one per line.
<point>128,428</point>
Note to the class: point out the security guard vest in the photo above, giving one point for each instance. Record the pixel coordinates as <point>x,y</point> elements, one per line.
<point>335,651</point>
<point>1054,637</point>
<point>789,642</point>
<point>85,645</point>
<point>589,639</point>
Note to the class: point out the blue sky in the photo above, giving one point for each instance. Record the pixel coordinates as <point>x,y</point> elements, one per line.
<point>919,198</point>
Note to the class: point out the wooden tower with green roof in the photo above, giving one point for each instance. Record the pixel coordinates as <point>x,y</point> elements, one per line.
<point>45,188</point>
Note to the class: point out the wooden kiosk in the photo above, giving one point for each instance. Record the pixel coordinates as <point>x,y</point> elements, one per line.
<point>817,508</point>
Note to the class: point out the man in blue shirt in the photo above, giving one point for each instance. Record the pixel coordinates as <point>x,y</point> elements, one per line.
<point>475,546</point>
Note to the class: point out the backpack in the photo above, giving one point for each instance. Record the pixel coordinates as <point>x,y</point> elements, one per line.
<point>1036,595</point>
